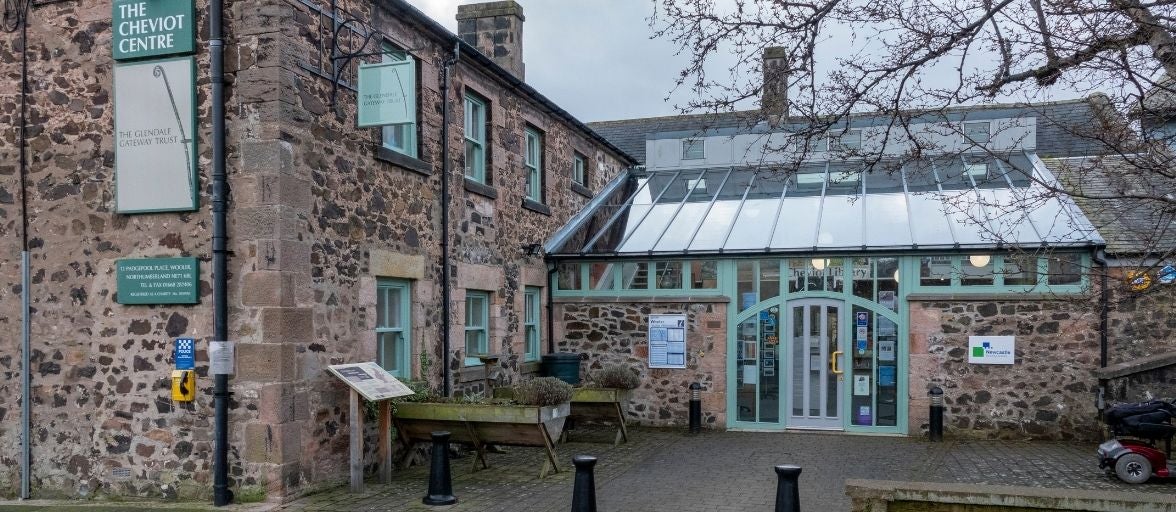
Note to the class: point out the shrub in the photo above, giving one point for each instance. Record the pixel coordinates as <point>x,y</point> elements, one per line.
<point>420,392</point>
<point>543,391</point>
<point>616,376</point>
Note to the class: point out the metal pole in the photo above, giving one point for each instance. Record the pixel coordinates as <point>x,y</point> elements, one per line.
<point>695,408</point>
<point>936,427</point>
<point>25,345</point>
<point>446,68</point>
<point>221,495</point>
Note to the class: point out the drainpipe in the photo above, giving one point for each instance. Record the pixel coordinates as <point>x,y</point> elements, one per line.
<point>550,308</point>
<point>1104,300</point>
<point>221,495</point>
<point>446,69</point>
<point>25,345</point>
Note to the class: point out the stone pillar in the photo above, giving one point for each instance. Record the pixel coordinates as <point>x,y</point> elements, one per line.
<point>495,29</point>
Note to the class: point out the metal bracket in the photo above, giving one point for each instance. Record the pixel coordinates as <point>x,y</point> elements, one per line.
<point>337,54</point>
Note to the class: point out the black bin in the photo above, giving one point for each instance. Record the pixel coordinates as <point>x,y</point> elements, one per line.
<point>564,366</point>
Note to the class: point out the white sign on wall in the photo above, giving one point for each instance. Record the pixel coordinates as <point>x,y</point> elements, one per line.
<point>154,136</point>
<point>992,349</point>
<point>667,341</point>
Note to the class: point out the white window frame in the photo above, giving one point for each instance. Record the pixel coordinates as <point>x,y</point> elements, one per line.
<point>481,332</point>
<point>854,135</point>
<point>533,161</point>
<point>400,138</point>
<point>692,146</point>
<point>475,122</point>
<point>532,332</point>
<point>579,169</point>
<point>401,331</point>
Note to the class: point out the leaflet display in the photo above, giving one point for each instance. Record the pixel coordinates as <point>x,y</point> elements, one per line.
<point>667,341</point>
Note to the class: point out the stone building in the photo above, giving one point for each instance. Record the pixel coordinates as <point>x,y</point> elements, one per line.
<point>822,293</point>
<point>335,233</point>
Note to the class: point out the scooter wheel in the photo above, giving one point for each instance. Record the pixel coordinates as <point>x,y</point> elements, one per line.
<point>1133,468</point>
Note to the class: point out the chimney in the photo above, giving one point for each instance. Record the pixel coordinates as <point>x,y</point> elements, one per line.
<point>775,92</point>
<point>495,29</point>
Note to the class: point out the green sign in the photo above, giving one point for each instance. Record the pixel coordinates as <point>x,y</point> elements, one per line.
<point>151,28</point>
<point>158,281</point>
<point>387,93</point>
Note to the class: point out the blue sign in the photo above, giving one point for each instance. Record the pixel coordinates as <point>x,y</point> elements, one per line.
<point>863,318</point>
<point>185,354</point>
<point>1167,274</point>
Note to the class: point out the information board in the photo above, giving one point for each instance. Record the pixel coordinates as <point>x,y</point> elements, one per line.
<point>370,380</point>
<point>154,136</point>
<point>667,341</point>
<point>152,28</point>
<point>157,281</point>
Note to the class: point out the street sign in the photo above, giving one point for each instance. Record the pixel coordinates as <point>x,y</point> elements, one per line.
<point>1167,275</point>
<point>185,353</point>
<point>152,28</point>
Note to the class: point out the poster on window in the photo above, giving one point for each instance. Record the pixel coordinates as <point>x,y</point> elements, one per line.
<point>667,341</point>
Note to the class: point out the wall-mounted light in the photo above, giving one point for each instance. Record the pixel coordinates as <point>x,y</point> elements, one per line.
<point>532,249</point>
<point>896,275</point>
<point>820,263</point>
<point>979,260</point>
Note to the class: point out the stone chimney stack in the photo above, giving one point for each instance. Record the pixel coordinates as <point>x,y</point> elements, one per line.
<point>495,29</point>
<point>774,101</point>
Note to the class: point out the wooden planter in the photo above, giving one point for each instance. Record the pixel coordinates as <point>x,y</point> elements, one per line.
<point>601,404</point>
<point>479,425</point>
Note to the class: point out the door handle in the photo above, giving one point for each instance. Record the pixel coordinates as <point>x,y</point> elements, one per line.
<point>833,362</point>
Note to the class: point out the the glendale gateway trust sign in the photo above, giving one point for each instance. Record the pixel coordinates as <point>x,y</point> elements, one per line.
<point>155,148</point>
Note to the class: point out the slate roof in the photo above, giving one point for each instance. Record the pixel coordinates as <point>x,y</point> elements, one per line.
<point>1064,128</point>
<point>1130,226</point>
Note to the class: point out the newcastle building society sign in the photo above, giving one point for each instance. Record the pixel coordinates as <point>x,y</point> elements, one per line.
<point>158,281</point>
<point>153,28</point>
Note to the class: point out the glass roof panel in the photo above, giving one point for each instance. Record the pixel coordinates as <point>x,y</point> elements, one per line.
<point>798,222</point>
<point>841,221</point>
<point>751,229</point>
<point>968,217</point>
<point>1007,214</point>
<point>931,226</point>
<point>714,228</point>
<point>886,220</point>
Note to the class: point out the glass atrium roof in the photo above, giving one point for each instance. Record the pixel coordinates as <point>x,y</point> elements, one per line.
<point>959,202</point>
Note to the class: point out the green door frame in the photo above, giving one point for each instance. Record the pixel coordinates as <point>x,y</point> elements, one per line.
<point>728,269</point>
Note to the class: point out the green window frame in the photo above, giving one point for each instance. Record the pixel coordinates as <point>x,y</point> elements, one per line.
<point>637,278</point>
<point>533,160</point>
<point>980,272</point>
<point>477,325</point>
<point>531,326</point>
<point>394,326</point>
<point>400,138</point>
<point>580,169</point>
<point>475,138</point>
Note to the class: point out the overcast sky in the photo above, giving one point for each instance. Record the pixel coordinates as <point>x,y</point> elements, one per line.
<point>596,59</point>
<point>593,58</point>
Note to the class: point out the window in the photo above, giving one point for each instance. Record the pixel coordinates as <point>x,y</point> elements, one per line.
<point>476,325</point>
<point>977,132</point>
<point>533,160</point>
<point>696,185</point>
<point>693,149</point>
<point>579,169</point>
<point>393,331</point>
<point>475,139</point>
<point>850,140</point>
<point>669,275</point>
<point>936,271</point>
<point>531,323</point>
<point>568,276</point>
<point>1065,269</point>
<point>704,275</point>
<point>401,138</point>
<point>818,144</point>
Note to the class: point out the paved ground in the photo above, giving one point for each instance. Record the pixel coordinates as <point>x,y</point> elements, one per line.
<point>732,472</point>
<point>669,471</point>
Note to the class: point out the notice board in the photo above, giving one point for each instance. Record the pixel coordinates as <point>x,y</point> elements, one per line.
<point>667,341</point>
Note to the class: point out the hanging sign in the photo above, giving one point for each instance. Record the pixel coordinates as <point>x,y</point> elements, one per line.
<point>370,380</point>
<point>387,93</point>
<point>185,353</point>
<point>667,341</point>
<point>157,280</point>
<point>153,28</point>
<point>154,144</point>
<point>991,349</point>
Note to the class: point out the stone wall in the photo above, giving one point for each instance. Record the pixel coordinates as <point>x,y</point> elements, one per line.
<point>1048,394</point>
<point>317,216</point>
<point>606,332</point>
<point>1141,324</point>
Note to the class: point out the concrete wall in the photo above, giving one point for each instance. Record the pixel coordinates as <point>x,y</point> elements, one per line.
<point>315,219</point>
<point>607,333</point>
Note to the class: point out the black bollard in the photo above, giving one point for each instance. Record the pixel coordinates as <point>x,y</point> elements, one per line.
<point>695,408</point>
<point>584,490</point>
<point>936,427</point>
<point>440,481</point>
<point>787,488</point>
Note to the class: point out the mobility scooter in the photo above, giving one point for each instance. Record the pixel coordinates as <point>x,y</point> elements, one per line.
<point>1133,454</point>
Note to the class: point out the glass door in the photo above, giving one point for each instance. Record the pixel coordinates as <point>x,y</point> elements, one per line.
<point>757,379</point>
<point>816,378</point>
